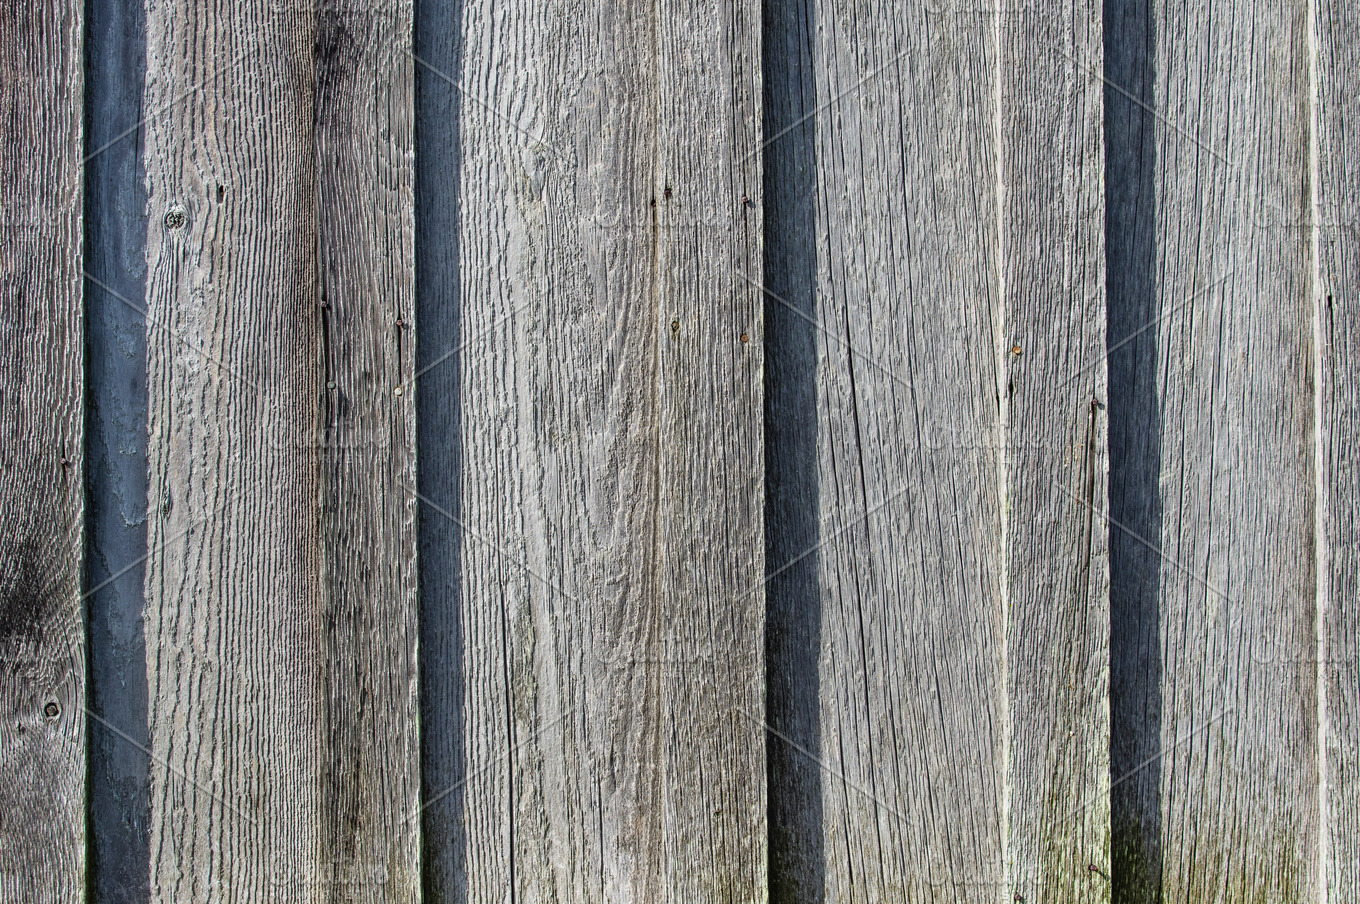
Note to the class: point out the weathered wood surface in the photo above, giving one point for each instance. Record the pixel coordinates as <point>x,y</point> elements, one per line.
<point>281,586</point>
<point>116,467</point>
<point>1056,588</point>
<point>1336,222</point>
<point>937,656</point>
<point>42,640</point>
<point>1215,679</point>
<point>602,741</point>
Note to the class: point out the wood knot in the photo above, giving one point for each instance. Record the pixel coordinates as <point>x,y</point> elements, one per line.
<point>51,710</point>
<point>175,218</point>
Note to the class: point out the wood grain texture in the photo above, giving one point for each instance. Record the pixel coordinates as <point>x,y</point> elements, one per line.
<point>42,639</point>
<point>603,741</point>
<point>1216,270</point>
<point>1055,466</point>
<point>281,585</point>
<point>1336,221</point>
<point>937,654</point>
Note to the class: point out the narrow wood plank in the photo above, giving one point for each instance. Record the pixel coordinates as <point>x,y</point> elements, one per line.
<point>42,639</point>
<point>605,741</point>
<point>1055,456</point>
<point>1336,222</point>
<point>1226,391</point>
<point>1132,139</point>
<point>281,621</point>
<point>116,440</point>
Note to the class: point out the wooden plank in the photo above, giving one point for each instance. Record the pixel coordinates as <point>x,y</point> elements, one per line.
<point>1055,485</point>
<point>42,639</point>
<point>281,586</point>
<point>1336,233</point>
<point>1226,390</point>
<point>604,739</point>
<point>116,439</point>
<point>937,661</point>
<point>885,668</point>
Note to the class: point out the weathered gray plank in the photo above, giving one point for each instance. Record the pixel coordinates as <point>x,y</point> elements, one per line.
<point>1056,586</point>
<point>281,622</point>
<point>42,640</point>
<point>1224,390</point>
<point>892,779</point>
<point>603,739</point>
<point>116,467</point>
<point>920,714</point>
<point>1336,220</point>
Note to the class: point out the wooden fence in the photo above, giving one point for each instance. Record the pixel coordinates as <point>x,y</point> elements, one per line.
<point>694,451</point>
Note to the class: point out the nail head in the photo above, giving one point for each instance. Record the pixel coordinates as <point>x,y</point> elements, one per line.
<point>51,710</point>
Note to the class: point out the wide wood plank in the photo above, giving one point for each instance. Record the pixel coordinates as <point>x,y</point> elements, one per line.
<point>281,587</point>
<point>937,642</point>
<point>885,609</point>
<point>42,639</point>
<point>596,665</point>
<point>1215,523</point>
<point>1336,233</point>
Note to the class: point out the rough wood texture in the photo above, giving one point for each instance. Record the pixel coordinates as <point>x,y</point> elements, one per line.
<point>603,741</point>
<point>1056,588</point>
<point>281,622</point>
<point>42,640</point>
<point>1336,219</point>
<point>937,654</point>
<point>1215,663</point>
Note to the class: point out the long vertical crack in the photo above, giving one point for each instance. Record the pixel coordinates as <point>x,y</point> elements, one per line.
<point>1321,576</point>
<point>1002,462</point>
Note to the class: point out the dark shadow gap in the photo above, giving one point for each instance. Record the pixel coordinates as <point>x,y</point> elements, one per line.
<point>1131,136</point>
<point>792,512</point>
<point>115,454</point>
<point>438,68</point>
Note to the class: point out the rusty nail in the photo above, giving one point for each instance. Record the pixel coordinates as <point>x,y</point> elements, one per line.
<point>675,326</point>
<point>1015,350</point>
<point>745,338</point>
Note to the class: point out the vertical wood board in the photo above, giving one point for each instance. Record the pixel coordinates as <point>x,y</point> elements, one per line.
<point>42,637</point>
<point>281,621</point>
